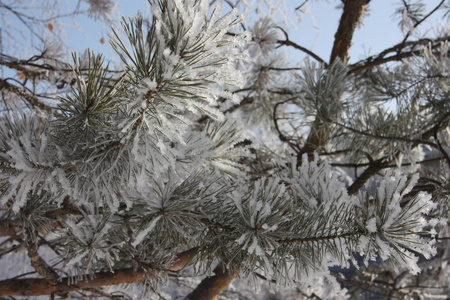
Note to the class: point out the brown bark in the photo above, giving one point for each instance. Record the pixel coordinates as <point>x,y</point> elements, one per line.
<point>213,286</point>
<point>41,286</point>
<point>371,170</point>
<point>27,97</point>
<point>8,230</point>
<point>315,141</point>
<point>38,263</point>
<point>351,15</point>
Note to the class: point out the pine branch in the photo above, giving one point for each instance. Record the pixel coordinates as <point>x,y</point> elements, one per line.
<point>301,216</point>
<point>375,166</point>
<point>359,165</point>
<point>370,171</point>
<point>443,151</point>
<point>389,138</point>
<point>37,261</point>
<point>316,139</point>
<point>8,230</point>
<point>11,230</point>
<point>118,144</point>
<point>350,17</point>
<point>440,125</point>
<point>280,134</point>
<point>211,287</point>
<point>41,286</point>
<point>217,225</point>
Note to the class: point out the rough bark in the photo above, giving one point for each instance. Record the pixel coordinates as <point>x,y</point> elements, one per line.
<point>41,286</point>
<point>213,286</point>
<point>351,15</point>
<point>315,141</point>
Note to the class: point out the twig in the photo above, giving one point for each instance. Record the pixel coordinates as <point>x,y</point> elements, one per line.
<point>391,138</point>
<point>29,98</point>
<point>288,42</point>
<point>371,170</point>
<point>320,238</point>
<point>422,20</point>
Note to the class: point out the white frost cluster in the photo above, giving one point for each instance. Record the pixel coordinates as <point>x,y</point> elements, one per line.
<point>32,155</point>
<point>315,184</point>
<point>265,36</point>
<point>396,226</point>
<point>101,9</point>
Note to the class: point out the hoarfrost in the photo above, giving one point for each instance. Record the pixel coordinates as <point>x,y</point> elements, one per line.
<point>371,225</point>
<point>142,234</point>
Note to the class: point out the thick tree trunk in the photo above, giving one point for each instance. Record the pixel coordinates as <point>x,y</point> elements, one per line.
<point>213,286</point>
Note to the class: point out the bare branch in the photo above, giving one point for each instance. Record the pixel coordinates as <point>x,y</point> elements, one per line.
<point>24,95</point>
<point>390,138</point>
<point>381,58</point>
<point>443,151</point>
<point>40,286</point>
<point>288,42</point>
<point>370,171</point>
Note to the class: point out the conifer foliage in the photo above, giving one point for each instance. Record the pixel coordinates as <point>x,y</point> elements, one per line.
<point>150,171</point>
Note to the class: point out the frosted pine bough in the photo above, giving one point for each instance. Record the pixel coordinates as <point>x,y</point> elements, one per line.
<point>141,176</point>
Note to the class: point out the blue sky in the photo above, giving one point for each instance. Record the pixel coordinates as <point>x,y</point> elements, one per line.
<point>315,32</point>
<point>379,32</point>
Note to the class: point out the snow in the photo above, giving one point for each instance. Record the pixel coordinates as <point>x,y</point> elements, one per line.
<point>371,225</point>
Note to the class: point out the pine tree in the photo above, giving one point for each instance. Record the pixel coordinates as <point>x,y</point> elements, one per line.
<point>151,171</point>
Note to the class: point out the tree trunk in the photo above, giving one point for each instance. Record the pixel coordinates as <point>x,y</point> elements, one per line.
<point>351,16</point>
